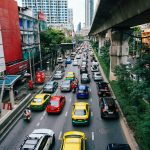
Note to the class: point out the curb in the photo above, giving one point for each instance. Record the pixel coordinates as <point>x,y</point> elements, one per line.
<point>126,129</point>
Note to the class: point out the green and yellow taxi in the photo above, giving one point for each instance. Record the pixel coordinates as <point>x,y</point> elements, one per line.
<point>40,101</point>
<point>70,76</point>
<point>80,113</point>
<point>73,140</point>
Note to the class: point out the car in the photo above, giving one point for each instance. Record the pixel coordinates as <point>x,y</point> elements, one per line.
<point>50,87</point>
<point>85,78</point>
<point>73,140</point>
<point>39,139</point>
<point>59,74</point>
<point>94,68</point>
<point>66,86</point>
<point>83,69</point>
<point>97,76</point>
<point>68,61</point>
<point>40,101</point>
<point>84,64</point>
<point>75,62</point>
<point>60,60</point>
<point>72,56</point>
<point>56,104</point>
<point>77,56</point>
<point>80,113</point>
<point>82,92</point>
<point>102,85</point>
<point>91,54</point>
<point>84,59</point>
<point>108,108</point>
<point>94,63</point>
<point>70,76</point>
<point>116,146</point>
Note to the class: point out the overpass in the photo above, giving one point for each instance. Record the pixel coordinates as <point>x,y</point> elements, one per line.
<point>113,18</point>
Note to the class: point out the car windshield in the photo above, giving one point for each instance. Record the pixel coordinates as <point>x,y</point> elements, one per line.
<point>66,83</point>
<point>37,100</point>
<point>54,103</point>
<point>98,74</point>
<point>84,75</point>
<point>58,72</point>
<point>80,112</point>
<point>49,83</point>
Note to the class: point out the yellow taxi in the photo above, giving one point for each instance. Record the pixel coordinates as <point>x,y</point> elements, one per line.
<point>70,76</point>
<point>40,101</point>
<point>73,140</point>
<point>80,113</point>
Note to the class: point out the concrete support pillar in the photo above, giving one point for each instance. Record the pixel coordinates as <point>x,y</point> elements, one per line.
<point>101,40</point>
<point>119,51</point>
<point>11,95</point>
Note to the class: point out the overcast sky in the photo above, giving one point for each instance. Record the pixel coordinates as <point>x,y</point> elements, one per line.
<point>78,10</point>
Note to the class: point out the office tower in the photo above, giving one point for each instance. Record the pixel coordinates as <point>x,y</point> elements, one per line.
<point>79,27</point>
<point>56,11</point>
<point>89,11</point>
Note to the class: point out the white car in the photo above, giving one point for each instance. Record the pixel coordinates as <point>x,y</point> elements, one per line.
<point>77,56</point>
<point>97,76</point>
<point>94,68</point>
<point>60,60</point>
<point>59,74</point>
<point>75,63</point>
<point>39,139</point>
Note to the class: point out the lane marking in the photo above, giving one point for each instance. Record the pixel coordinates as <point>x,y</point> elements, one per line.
<point>90,90</point>
<point>60,135</point>
<point>66,114</point>
<point>42,118</point>
<point>91,114</point>
<point>92,136</point>
<point>70,99</point>
<point>44,113</point>
<point>91,100</point>
<point>38,124</point>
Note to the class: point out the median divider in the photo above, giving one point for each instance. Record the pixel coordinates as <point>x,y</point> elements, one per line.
<point>8,121</point>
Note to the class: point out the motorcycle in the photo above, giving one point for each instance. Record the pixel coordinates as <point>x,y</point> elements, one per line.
<point>27,116</point>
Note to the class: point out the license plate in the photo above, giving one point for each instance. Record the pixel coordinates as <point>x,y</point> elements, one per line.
<point>79,120</point>
<point>110,113</point>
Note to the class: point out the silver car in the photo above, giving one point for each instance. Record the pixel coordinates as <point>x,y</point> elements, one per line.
<point>39,139</point>
<point>59,74</point>
<point>97,76</point>
<point>66,86</point>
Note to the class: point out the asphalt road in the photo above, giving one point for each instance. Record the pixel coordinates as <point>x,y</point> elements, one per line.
<point>99,133</point>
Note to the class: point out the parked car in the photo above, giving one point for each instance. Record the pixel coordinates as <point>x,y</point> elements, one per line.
<point>56,104</point>
<point>108,108</point>
<point>66,86</point>
<point>85,78</point>
<point>82,92</point>
<point>83,69</point>
<point>94,68</point>
<point>75,62</point>
<point>73,140</point>
<point>50,87</point>
<point>60,60</point>
<point>59,74</point>
<point>40,101</point>
<point>115,146</point>
<point>39,139</point>
<point>80,113</point>
<point>97,76</point>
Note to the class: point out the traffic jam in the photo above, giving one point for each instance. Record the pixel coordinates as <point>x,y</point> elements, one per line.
<point>79,92</point>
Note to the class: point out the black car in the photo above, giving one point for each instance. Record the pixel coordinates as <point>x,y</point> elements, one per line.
<point>50,87</point>
<point>108,108</point>
<point>85,78</point>
<point>115,146</point>
<point>83,69</point>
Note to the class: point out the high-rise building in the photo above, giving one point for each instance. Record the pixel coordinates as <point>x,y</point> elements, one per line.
<point>56,11</point>
<point>79,27</point>
<point>70,18</point>
<point>89,12</point>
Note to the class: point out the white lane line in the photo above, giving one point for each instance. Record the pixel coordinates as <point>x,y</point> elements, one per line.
<point>91,114</point>
<point>44,113</point>
<point>91,100</point>
<point>38,124</point>
<point>56,92</point>
<point>92,136</point>
<point>42,118</point>
<point>70,99</point>
<point>60,135</point>
<point>90,90</point>
<point>66,114</point>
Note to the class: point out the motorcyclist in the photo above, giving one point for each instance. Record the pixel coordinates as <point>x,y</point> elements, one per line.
<point>74,85</point>
<point>27,113</point>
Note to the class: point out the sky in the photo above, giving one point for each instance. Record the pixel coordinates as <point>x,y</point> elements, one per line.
<point>78,7</point>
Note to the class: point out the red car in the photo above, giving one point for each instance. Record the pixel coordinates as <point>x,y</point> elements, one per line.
<point>56,104</point>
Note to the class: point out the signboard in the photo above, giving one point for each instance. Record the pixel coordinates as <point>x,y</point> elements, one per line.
<point>2,60</point>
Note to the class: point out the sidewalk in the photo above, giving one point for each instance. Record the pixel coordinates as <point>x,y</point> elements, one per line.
<point>23,91</point>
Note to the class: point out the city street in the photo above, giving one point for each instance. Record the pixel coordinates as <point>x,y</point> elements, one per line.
<point>99,133</point>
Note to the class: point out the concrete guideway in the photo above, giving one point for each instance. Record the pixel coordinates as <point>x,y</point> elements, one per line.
<point>127,131</point>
